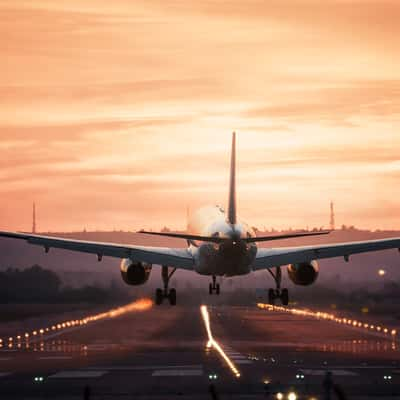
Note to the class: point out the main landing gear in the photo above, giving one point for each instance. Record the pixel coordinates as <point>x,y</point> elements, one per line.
<point>213,287</point>
<point>278,293</point>
<point>167,293</point>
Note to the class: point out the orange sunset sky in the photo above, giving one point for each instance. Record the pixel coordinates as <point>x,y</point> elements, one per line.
<point>118,114</point>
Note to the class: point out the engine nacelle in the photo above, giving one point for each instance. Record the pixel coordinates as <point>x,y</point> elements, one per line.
<point>135,273</point>
<point>303,274</point>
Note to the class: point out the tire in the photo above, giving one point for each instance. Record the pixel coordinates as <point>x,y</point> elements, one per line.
<point>217,289</point>
<point>210,289</point>
<point>271,296</point>
<point>285,297</point>
<point>159,296</point>
<point>172,297</point>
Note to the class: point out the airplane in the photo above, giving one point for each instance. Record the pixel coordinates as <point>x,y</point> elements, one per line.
<point>218,244</point>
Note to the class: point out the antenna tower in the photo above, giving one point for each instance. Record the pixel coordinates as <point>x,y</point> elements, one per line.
<point>34,218</point>
<point>332,219</point>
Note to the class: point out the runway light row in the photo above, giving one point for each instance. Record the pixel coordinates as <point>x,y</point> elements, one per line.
<point>212,343</point>
<point>138,305</point>
<point>331,317</point>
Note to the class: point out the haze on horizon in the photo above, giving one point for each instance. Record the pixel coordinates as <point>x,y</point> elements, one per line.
<point>119,114</point>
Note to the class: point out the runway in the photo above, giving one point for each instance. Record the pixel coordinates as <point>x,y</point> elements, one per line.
<point>161,350</point>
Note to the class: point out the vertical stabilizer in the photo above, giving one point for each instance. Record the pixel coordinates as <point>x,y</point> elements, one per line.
<point>232,184</point>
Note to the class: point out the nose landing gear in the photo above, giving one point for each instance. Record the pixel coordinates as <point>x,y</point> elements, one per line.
<point>214,287</point>
<point>278,293</point>
<point>166,293</point>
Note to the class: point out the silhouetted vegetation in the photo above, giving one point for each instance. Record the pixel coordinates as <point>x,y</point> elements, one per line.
<point>39,285</point>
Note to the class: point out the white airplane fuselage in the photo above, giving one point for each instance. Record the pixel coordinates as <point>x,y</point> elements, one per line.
<point>231,257</point>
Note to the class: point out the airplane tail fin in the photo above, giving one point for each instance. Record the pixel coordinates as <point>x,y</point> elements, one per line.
<point>232,184</point>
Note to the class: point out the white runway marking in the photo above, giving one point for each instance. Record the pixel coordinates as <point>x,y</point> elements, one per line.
<point>237,357</point>
<point>99,347</point>
<point>78,374</point>
<point>55,358</point>
<point>322,372</point>
<point>178,372</point>
<point>144,367</point>
<point>362,367</point>
<point>5,358</point>
<point>3,374</point>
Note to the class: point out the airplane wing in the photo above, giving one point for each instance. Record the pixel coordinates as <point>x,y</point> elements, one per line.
<point>275,257</point>
<point>173,257</point>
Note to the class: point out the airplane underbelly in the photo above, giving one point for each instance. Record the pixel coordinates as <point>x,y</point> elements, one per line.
<point>225,259</point>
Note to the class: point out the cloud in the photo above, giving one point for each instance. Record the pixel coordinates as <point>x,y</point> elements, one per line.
<point>336,105</point>
<point>127,107</point>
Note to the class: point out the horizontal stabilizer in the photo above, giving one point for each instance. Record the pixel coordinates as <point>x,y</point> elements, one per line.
<point>218,239</point>
<point>287,236</point>
<point>214,239</point>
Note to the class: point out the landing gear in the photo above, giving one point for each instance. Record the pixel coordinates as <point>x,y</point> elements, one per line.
<point>167,293</point>
<point>159,296</point>
<point>214,287</point>
<point>285,297</point>
<point>278,293</point>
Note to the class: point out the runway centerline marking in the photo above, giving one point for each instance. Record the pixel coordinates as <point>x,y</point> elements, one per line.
<point>145,367</point>
<point>322,372</point>
<point>212,343</point>
<point>178,372</point>
<point>78,374</point>
<point>55,358</point>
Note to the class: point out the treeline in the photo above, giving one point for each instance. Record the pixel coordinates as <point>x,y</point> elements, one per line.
<point>39,285</point>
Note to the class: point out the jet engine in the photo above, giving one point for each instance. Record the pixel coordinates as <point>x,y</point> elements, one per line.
<point>303,274</point>
<point>134,273</point>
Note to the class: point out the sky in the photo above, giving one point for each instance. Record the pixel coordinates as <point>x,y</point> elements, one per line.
<point>118,115</point>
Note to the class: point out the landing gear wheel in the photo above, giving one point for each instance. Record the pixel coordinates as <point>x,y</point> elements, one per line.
<point>278,293</point>
<point>271,296</point>
<point>285,297</point>
<point>167,293</point>
<point>214,286</point>
<point>172,297</point>
<point>159,296</point>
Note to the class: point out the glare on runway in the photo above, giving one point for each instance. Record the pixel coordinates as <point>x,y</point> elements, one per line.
<point>331,317</point>
<point>136,306</point>
<point>212,343</point>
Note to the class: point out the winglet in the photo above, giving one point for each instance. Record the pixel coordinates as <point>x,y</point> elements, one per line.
<point>232,184</point>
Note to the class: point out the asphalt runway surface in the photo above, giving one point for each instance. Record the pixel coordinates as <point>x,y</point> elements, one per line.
<point>161,352</point>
